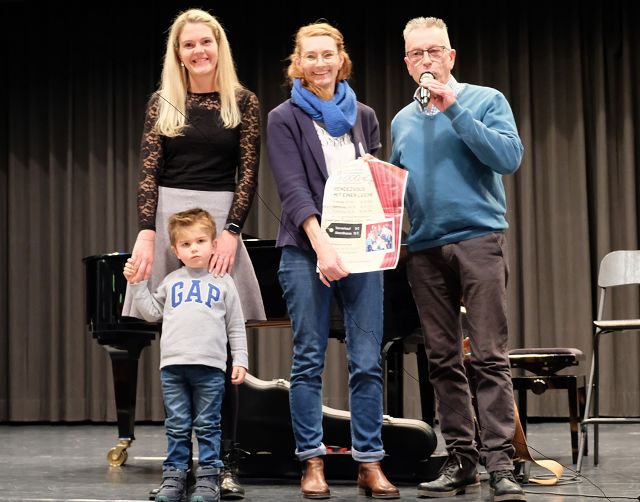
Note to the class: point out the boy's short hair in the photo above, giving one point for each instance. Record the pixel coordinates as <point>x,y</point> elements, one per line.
<point>185,219</point>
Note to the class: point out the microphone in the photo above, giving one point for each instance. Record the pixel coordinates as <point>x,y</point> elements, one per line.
<point>425,94</point>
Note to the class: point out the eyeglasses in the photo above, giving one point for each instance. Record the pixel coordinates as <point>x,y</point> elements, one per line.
<point>327,57</point>
<point>435,53</point>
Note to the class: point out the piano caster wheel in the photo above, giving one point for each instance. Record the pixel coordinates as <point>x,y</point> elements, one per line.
<point>117,455</point>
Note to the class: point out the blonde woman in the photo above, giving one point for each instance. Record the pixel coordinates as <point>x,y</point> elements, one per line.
<point>200,148</point>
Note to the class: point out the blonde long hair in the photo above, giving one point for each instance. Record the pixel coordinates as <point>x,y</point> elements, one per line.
<point>174,81</point>
<point>317,30</point>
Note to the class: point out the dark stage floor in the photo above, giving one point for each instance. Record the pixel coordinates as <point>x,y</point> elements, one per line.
<point>60,462</point>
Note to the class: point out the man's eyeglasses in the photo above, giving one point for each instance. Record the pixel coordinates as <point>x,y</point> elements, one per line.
<point>435,53</point>
<point>327,57</point>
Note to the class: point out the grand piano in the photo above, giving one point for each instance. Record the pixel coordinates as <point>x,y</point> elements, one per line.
<point>124,338</point>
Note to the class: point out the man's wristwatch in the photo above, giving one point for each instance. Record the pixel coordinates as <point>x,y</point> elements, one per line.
<point>233,228</point>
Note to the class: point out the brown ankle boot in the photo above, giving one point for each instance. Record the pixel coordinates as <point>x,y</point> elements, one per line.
<point>373,483</point>
<point>313,484</point>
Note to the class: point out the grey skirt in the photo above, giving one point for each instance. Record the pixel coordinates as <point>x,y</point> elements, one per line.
<point>173,200</point>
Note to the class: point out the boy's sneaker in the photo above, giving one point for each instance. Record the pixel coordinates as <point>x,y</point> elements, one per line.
<point>206,485</point>
<point>504,487</point>
<point>458,475</point>
<point>173,487</point>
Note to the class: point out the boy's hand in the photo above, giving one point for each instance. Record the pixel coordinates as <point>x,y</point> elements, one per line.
<point>130,270</point>
<point>237,375</point>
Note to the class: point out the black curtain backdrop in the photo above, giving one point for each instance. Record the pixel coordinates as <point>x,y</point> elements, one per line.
<point>74,88</point>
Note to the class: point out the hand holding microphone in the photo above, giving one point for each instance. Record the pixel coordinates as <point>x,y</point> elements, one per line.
<point>425,94</point>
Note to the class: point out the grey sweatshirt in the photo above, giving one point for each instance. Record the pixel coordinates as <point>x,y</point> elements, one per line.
<point>199,314</point>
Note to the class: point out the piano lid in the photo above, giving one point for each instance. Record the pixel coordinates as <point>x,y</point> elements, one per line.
<point>106,287</point>
<point>104,295</point>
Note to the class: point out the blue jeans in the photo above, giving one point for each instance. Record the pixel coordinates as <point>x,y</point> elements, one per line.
<point>192,396</point>
<point>308,302</point>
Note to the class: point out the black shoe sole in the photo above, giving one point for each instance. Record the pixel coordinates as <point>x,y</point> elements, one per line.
<point>507,497</point>
<point>451,493</point>
<point>232,496</point>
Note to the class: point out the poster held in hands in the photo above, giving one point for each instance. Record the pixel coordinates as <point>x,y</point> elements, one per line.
<point>362,213</point>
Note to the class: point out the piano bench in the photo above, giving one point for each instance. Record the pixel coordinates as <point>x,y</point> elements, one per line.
<point>269,323</point>
<point>543,365</point>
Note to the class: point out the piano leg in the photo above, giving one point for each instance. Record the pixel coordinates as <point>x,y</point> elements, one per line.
<point>393,358</point>
<point>124,363</point>
<point>427,397</point>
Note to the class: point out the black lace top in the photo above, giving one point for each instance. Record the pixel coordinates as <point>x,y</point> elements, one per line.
<point>206,157</point>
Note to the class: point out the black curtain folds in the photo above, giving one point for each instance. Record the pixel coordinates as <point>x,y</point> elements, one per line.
<point>72,107</point>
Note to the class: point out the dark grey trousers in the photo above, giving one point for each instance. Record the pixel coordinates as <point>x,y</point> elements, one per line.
<point>473,273</point>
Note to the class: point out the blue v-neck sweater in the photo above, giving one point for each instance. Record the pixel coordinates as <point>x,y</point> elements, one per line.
<point>456,160</point>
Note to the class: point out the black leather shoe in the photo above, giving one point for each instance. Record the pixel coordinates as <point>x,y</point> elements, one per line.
<point>504,487</point>
<point>458,475</point>
<point>230,487</point>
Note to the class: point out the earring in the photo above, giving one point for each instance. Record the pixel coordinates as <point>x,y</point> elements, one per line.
<point>181,64</point>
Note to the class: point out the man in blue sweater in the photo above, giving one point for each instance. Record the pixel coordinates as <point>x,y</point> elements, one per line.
<point>457,141</point>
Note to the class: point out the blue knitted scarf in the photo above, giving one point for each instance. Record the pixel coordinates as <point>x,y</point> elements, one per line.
<point>338,113</point>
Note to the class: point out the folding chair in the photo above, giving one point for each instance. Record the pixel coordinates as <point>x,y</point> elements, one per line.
<point>618,268</point>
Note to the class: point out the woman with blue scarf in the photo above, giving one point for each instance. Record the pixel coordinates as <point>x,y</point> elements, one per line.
<point>311,135</point>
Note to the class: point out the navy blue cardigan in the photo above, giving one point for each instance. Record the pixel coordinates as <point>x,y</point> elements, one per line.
<point>299,168</point>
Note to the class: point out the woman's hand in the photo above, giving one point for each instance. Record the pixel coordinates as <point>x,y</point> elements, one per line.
<point>330,266</point>
<point>224,255</point>
<point>142,255</point>
<point>364,155</point>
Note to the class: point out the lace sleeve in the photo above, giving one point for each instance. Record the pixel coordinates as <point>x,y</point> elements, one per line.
<point>249,159</point>
<point>151,158</point>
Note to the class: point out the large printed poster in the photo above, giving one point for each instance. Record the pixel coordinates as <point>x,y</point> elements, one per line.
<point>362,213</point>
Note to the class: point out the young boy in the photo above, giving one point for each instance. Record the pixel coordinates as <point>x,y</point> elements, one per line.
<point>200,313</point>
